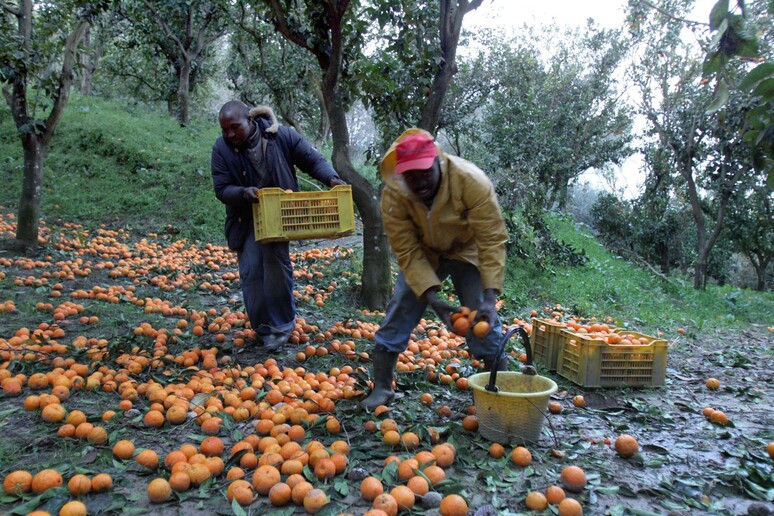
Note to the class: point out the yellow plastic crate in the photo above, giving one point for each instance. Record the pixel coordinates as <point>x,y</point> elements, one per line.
<point>281,216</point>
<point>546,340</point>
<point>591,362</point>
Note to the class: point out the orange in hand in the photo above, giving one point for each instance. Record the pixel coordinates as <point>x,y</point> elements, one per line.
<point>481,329</point>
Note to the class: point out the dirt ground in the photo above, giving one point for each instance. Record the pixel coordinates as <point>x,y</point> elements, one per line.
<point>686,464</point>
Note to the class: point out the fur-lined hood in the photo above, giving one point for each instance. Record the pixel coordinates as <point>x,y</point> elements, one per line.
<point>267,113</point>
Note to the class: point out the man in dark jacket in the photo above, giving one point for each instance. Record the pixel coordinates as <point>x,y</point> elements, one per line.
<point>256,152</point>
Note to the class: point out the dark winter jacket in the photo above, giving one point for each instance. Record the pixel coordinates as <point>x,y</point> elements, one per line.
<point>232,172</point>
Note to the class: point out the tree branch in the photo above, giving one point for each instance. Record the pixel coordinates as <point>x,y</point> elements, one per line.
<point>672,16</point>
<point>10,8</point>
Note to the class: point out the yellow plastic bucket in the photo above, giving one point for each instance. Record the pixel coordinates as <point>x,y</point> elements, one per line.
<point>516,411</point>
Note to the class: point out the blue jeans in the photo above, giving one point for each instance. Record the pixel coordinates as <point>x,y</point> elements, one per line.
<point>405,311</point>
<point>266,273</point>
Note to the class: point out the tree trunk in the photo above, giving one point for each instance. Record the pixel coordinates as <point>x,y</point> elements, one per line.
<point>376,282</point>
<point>183,90</point>
<point>86,67</point>
<point>760,267</point>
<point>32,188</point>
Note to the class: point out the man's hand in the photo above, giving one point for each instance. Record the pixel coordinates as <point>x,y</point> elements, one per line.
<point>337,182</point>
<point>486,310</point>
<point>250,193</point>
<point>443,309</point>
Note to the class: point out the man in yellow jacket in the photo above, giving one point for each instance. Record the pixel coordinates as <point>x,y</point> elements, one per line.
<point>442,219</point>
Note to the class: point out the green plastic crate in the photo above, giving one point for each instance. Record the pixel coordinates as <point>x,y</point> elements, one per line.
<point>281,216</point>
<point>546,340</point>
<point>590,362</point>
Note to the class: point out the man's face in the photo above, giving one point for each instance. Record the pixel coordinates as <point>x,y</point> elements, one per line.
<point>236,128</point>
<point>424,183</point>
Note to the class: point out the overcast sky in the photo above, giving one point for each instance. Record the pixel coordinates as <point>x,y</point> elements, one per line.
<point>607,13</point>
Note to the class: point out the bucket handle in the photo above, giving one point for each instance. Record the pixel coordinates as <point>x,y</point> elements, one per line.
<point>528,368</point>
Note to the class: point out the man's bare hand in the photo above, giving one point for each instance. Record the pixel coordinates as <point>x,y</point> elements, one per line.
<point>337,182</point>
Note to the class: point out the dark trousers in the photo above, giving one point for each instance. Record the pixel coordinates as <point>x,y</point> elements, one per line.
<point>405,311</point>
<point>266,274</point>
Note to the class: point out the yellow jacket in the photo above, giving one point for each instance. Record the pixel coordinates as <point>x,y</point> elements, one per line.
<point>464,222</point>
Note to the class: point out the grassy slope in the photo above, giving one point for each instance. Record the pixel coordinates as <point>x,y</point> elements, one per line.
<point>611,286</point>
<point>116,166</point>
<point>111,165</point>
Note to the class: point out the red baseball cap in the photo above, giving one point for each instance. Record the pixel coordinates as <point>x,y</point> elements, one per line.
<point>415,152</point>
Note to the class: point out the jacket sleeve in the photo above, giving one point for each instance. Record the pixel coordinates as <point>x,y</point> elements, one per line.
<point>308,159</point>
<point>490,234</point>
<point>226,192</point>
<point>406,243</point>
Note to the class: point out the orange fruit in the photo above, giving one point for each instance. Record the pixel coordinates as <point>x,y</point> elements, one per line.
<point>235,485</point>
<point>713,384</point>
<point>470,423</point>
<point>554,495</point>
<point>521,456</point>
<point>410,440</point>
<point>770,449</point>
<point>719,417</point>
<point>573,478</point>
<point>148,458</point>
<point>180,481</point>
<point>73,508</point>
<point>385,502</point>
<point>461,326</point>
<point>212,446</point>
<point>45,480</point>
<point>299,492</point>
<point>264,479</point>
<point>79,485</point>
<point>198,473</point>
<point>98,436</point>
<point>554,407</point>
<point>626,445</point>
<point>418,485</point>
<point>406,468</point>
<point>315,500</point>
<point>536,501</point>
<point>404,497</point>
<point>325,469</point>
<point>123,449</point>
<point>434,473</point>
<point>17,482</point>
<point>280,494</point>
<point>426,399</point>
<point>101,482</point>
<point>579,401</point>
<point>453,505</point>
<point>370,488</point>
<point>174,457</point>
<point>496,450</point>
<point>243,494</point>
<point>391,438</point>
<point>481,329</point>
<point>570,507</point>
<point>53,413</point>
<point>159,490</point>
<point>444,455</point>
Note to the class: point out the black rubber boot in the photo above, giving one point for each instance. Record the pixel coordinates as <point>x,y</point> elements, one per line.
<point>383,372</point>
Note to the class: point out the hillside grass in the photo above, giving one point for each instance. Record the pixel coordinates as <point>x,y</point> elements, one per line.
<point>125,167</point>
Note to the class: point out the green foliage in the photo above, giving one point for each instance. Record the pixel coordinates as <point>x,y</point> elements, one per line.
<point>124,168</point>
<point>545,118</point>
<point>265,68</point>
<point>736,36</point>
<point>609,285</point>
